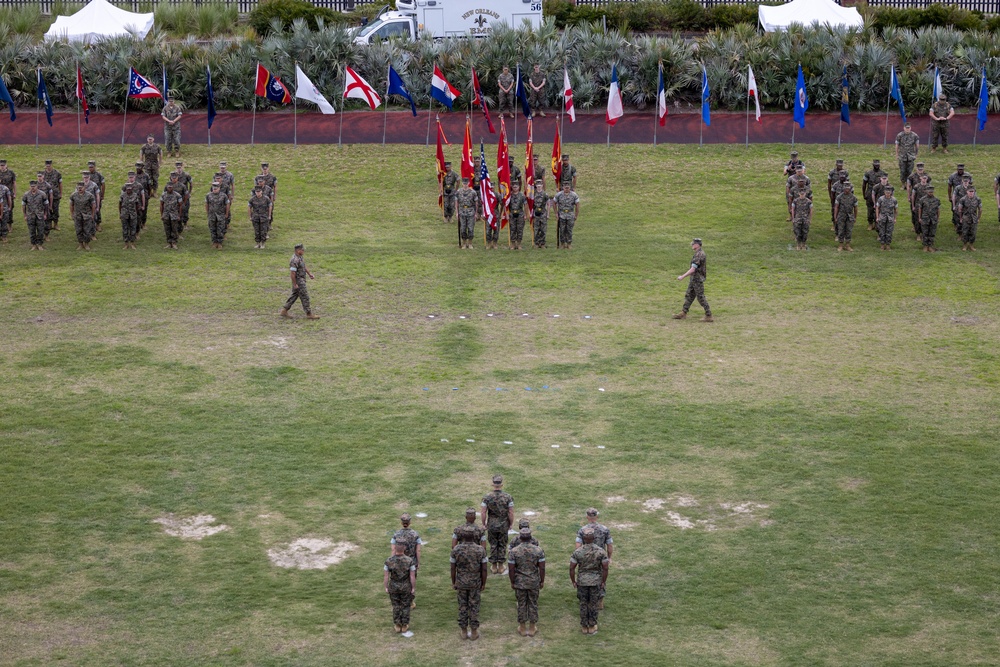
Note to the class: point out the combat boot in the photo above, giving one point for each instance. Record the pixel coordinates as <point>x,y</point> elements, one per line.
<point>972,248</point>
<point>593,629</point>
<point>840,247</point>
<point>405,628</point>
<point>532,629</point>
<point>463,632</point>
<point>397,628</point>
<point>849,248</point>
<point>310,316</point>
<point>707,318</point>
<point>413,604</point>
<point>680,316</point>
<point>521,630</point>
<point>284,313</point>
<point>584,630</point>
<point>474,635</point>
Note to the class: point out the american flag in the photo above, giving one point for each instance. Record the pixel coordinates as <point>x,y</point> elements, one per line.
<point>486,193</point>
<point>140,88</point>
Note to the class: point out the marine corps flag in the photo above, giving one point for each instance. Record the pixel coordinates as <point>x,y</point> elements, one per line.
<point>269,86</point>
<point>529,173</point>
<point>440,162</point>
<point>467,165</point>
<point>503,173</point>
<point>556,158</point>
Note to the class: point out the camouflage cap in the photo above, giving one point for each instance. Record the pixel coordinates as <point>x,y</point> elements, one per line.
<point>33,183</point>
<point>170,185</point>
<point>588,532</point>
<point>800,166</point>
<point>446,163</point>
<point>889,188</point>
<point>966,177</point>
<point>259,189</point>
<point>264,165</point>
<point>299,246</point>
<point>85,174</point>
<point>79,184</point>
<point>794,153</point>
<point>91,163</point>
<point>404,517</point>
<point>840,162</point>
<point>525,533</point>
<point>129,186</point>
<point>131,173</point>
<point>592,511</point>
<point>565,156</point>
<point>48,162</point>
<point>223,164</point>
<point>3,162</point>
<point>174,174</point>
<point>139,164</point>
<point>470,510</point>
<point>698,241</point>
<point>259,178</point>
<point>216,185</point>
<point>39,173</point>
<point>876,161</point>
<point>178,164</point>
<point>149,136</point>
<point>971,188</point>
<point>498,479</point>
<point>523,523</point>
<point>960,166</point>
<point>930,188</point>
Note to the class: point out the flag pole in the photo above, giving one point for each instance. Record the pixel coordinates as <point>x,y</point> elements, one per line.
<point>343,100</point>
<point>562,102</point>
<point>701,129</point>
<point>295,110</point>
<point>748,118</point>
<point>656,106</point>
<point>253,124</point>
<point>125,117</point>
<point>385,116</point>
<point>885,136</point>
<point>430,110</point>
<point>79,137</point>
<point>840,131</point>
<point>38,80</point>
<point>793,134</point>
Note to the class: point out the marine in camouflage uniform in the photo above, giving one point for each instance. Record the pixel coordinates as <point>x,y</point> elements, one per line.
<point>918,192</point>
<point>876,192</point>
<point>567,173</point>
<point>225,189</point>
<point>298,269</point>
<point>541,213</point>
<point>497,513</point>
<point>229,181</point>
<point>592,563</point>
<point>940,113</point>
<point>185,179</point>
<point>696,286</point>
<point>802,211</point>
<point>793,162</point>
<point>515,173</point>
<point>846,212</point>
<point>524,523</point>
<point>172,127</point>
<point>409,538</point>
<point>907,148</point>
<point>142,178</point>
<point>8,179</point>
<point>602,539</point>
<point>94,189</point>
<point>35,204</point>
<point>46,189</point>
<point>129,205</point>
<point>505,84</point>
<point>868,181</point>
<point>567,207</point>
<point>54,179</point>
<point>83,208</point>
<point>271,181</point>
<point>216,208</point>
<point>450,185</point>
<point>151,155</point>
<point>538,170</point>
<point>886,209</point>
<point>259,207</point>
<point>467,200</point>
<point>6,206</point>
<point>536,91</point>
<point>929,210</point>
<point>478,533</point>
<point>400,583</point>
<point>954,181</point>
<point>468,578</point>
<point>970,208</point>
<point>97,178</point>
<point>956,196</point>
<point>838,189</point>
<point>171,203</point>
<point>259,180</point>
<point>518,210</point>
<point>832,178</point>
<point>792,182</point>
<point>526,563</point>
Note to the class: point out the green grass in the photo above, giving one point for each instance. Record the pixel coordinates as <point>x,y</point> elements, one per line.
<point>855,395</point>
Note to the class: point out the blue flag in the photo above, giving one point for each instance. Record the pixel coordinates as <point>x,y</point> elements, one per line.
<point>845,89</point>
<point>894,91</point>
<point>937,85</point>
<point>5,97</point>
<point>706,92</point>
<point>801,100</point>
<point>210,94</point>
<point>164,69</point>
<point>522,94</point>
<point>984,102</point>
<point>43,97</point>
<point>397,87</point>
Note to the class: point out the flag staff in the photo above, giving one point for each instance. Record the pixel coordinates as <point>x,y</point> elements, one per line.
<point>840,131</point>
<point>343,101</point>
<point>38,102</point>
<point>125,117</point>
<point>747,145</point>
<point>385,115</point>
<point>253,124</point>
<point>295,110</point>
<point>885,136</point>
<point>79,137</point>
<point>562,106</point>
<point>793,134</point>
<point>656,107</point>
<point>430,109</point>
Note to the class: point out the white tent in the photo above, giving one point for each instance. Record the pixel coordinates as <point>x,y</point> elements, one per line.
<point>97,20</point>
<point>807,13</point>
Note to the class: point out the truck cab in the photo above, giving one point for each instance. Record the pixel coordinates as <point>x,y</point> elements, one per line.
<point>448,18</point>
<point>388,25</point>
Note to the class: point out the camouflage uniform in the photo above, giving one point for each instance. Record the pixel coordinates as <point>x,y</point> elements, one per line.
<point>515,176</point>
<point>36,206</point>
<point>888,207</point>
<point>184,192</point>
<point>171,216</point>
<point>83,216</point>
<point>957,194</point>
<point>524,559</point>
<point>868,181</point>
<point>451,184</point>
<point>229,187</point>
<point>939,128</point>
<point>97,178</point>
<point>142,178</point>
<point>536,98</point>
<point>497,503</point>
<point>696,283</point>
<point>566,175</point>
<point>400,591</point>
<point>6,206</point>
<point>954,182</point>
<point>877,191</point>
<point>8,179</point>
<point>917,193</point>
<point>54,179</point>
<point>478,534</point>
<point>259,215</point>
<point>298,265</point>
<point>540,174</point>
<point>44,187</point>
<point>493,232</point>
<point>846,203</point>
<point>590,560</point>
<point>518,209</point>
<point>566,210</point>
<point>971,208</point>
<point>185,179</point>
<point>409,538</point>
<point>151,158</point>
<point>836,189</point>
<point>216,202</point>
<point>172,133</point>
<point>506,79</point>
<point>468,559</point>
<point>130,204</point>
<point>468,204</point>
<point>602,538</point>
<point>907,143</point>
<point>541,220</point>
<point>930,211</point>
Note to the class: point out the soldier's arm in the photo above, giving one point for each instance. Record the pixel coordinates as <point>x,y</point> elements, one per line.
<point>483,576</point>
<point>572,573</point>
<point>453,568</point>
<point>93,207</point>
<point>604,572</point>
<point>510,516</point>
<point>951,112</point>
<point>413,582</point>
<point>510,571</point>
<point>482,515</point>
<point>897,149</point>
<point>877,210</point>
<point>385,580</point>
<point>541,574</point>
<point>161,207</point>
<point>419,549</point>
<point>609,547</point>
<point>576,210</point>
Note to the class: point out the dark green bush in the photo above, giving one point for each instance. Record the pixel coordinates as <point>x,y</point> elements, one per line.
<point>727,16</point>
<point>286,11</point>
<point>935,15</point>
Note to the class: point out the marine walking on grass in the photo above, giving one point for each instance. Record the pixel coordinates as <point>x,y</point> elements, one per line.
<point>450,185</point>
<point>793,162</point>
<point>171,204</point>
<point>468,578</point>
<point>907,149</point>
<point>917,193</point>
<point>955,195</point>
<point>886,209</point>
<point>54,179</point>
<point>970,208</point>
<point>151,154</point>
<point>130,203</point>
<point>497,514</point>
<point>845,213</point>
<point>217,210</point>
<point>259,208</point>
<point>567,207</point>
<point>6,207</point>
<point>526,570</point>
<point>955,180</point>
<point>83,208</point>
<point>540,222</point>
<point>517,211</point>
<point>588,572</point>
<point>400,582</point>
<point>467,200</point>
<point>35,205</point>
<point>698,273</point>
<point>868,181</point>
<point>299,272</point>
<point>929,209</point>
<point>802,212</point>
<point>97,178</point>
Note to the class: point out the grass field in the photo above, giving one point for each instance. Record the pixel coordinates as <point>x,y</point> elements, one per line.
<point>830,439</point>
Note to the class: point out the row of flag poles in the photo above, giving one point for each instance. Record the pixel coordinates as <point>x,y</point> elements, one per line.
<point>269,86</point>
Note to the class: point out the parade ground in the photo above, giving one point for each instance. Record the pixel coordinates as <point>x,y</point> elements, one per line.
<point>190,479</point>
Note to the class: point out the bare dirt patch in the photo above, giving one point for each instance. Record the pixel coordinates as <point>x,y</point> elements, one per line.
<point>683,501</point>
<point>310,553</point>
<point>653,504</point>
<point>190,527</point>
<point>624,525</point>
<point>615,499</point>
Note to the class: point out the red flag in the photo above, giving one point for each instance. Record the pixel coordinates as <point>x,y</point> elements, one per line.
<point>356,86</point>
<point>557,158</point>
<point>440,162</point>
<point>478,98</point>
<point>81,94</point>
<point>270,86</point>
<point>529,173</point>
<point>467,152</point>
<point>568,96</point>
<point>503,172</point>
<point>140,88</point>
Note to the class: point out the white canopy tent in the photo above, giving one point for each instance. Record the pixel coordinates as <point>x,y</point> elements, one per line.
<point>807,13</point>
<point>99,19</point>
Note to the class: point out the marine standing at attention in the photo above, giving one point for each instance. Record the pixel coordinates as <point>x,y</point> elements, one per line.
<point>497,515</point>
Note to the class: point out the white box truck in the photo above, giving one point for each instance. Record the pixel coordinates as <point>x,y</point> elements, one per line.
<point>448,18</point>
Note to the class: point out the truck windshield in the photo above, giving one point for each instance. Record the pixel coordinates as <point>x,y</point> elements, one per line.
<point>371,27</point>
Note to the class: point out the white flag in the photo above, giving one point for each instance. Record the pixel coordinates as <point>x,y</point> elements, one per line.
<point>305,90</point>
<point>568,95</point>
<point>752,91</point>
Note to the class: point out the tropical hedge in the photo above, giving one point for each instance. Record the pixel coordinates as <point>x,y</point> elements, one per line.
<point>587,50</point>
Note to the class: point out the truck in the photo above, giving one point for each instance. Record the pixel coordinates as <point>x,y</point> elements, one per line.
<point>448,18</point>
